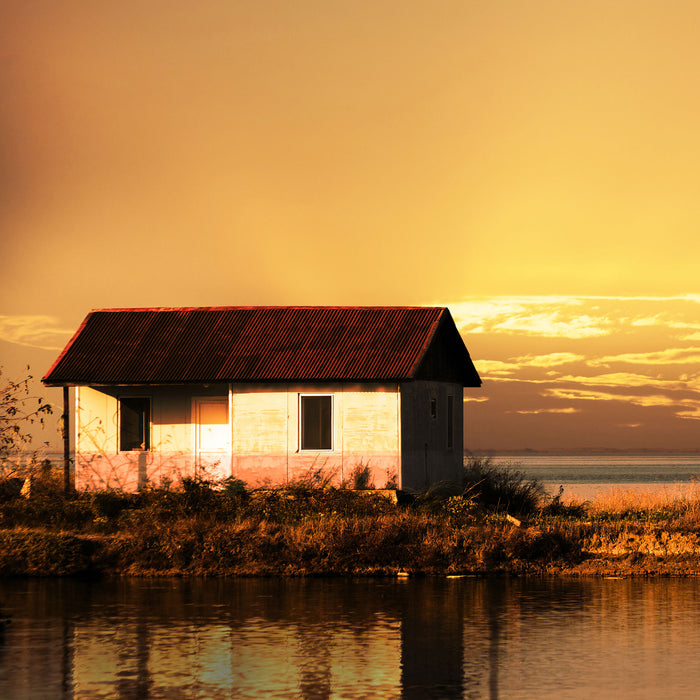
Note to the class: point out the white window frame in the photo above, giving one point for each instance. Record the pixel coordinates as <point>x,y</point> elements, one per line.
<point>302,396</point>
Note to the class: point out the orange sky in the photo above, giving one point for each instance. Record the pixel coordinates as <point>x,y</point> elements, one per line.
<point>532,165</point>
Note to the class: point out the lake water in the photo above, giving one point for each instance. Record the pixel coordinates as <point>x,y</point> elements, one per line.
<point>587,475</point>
<point>340,638</point>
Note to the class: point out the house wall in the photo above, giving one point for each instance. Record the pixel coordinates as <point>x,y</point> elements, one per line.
<point>266,434</point>
<point>98,462</point>
<point>426,457</point>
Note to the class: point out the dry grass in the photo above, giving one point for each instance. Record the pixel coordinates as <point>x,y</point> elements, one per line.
<point>302,530</point>
<point>621,499</point>
<point>679,503</point>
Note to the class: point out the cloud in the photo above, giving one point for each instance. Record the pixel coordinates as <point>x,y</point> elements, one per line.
<point>501,369</point>
<point>648,321</point>
<point>34,331</point>
<point>574,317</point>
<point>535,411</point>
<point>626,379</point>
<point>495,367</point>
<point>671,356</point>
<point>562,355</point>
<point>685,408</point>
<point>553,316</point>
<point>552,359</point>
<point>553,325</point>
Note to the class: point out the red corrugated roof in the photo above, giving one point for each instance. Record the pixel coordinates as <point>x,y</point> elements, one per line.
<point>266,344</point>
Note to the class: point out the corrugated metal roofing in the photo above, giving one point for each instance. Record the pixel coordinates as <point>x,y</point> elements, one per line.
<point>254,344</point>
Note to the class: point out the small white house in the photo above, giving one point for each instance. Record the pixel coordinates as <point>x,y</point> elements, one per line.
<point>264,394</point>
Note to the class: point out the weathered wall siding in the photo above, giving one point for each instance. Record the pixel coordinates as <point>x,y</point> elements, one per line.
<point>259,435</point>
<point>371,433</point>
<point>265,436</point>
<point>259,422</point>
<point>97,463</point>
<point>172,431</point>
<point>426,459</point>
<point>97,421</point>
<point>100,465</point>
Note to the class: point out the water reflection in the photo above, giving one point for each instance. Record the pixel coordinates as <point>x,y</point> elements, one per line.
<point>459,638</point>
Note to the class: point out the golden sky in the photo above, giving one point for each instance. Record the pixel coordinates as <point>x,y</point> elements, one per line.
<point>532,165</point>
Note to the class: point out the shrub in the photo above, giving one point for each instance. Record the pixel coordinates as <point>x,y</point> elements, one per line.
<point>361,477</point>
<point>556,507</point>
<point>500,487</point>
<point>233,487</point>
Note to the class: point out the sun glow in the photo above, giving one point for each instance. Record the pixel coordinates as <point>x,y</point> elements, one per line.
<point>531,165</point>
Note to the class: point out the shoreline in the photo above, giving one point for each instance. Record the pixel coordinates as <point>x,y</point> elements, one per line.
<point>572,549</point>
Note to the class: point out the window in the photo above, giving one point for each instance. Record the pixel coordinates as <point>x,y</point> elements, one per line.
<point>450,422</point>
<point>316,422</point>
<point>134,423</point>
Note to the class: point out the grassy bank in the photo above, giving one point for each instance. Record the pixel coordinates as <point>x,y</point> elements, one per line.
<point>498,523</point>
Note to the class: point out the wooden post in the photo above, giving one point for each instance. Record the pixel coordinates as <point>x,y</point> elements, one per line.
<point>67,488</point>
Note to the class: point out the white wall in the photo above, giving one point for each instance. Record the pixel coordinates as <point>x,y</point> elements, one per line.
<point>386,429</point>
<point>266,434</point>
<point>98,462</point>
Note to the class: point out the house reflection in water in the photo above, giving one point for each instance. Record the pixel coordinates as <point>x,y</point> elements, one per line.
<point>319,638</point>
<point>348,638</point>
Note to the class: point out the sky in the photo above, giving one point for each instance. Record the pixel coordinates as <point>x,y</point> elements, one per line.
<point>533,166</point>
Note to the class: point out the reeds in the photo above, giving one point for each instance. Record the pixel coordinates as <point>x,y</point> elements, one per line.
<point>678,503</point>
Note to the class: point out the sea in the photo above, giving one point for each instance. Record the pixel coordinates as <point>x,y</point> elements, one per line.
<point>591,474</point>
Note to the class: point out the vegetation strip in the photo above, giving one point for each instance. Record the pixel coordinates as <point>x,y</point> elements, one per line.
<point>499,522</point>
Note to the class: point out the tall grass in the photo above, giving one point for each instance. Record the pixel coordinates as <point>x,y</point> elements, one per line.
<point>500,487</point>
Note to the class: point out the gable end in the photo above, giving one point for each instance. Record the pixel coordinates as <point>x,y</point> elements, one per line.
<point>447,358</point>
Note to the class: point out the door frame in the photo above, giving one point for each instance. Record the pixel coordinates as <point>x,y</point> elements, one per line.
<point>196,401</point>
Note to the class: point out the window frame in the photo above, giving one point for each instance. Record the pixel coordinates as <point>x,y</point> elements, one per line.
<point>433,408</point>
<point>147,428</point>
<point>306,395</point>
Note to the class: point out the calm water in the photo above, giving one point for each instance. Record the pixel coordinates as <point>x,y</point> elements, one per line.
<point>587,475</point>
<point>339,638</point>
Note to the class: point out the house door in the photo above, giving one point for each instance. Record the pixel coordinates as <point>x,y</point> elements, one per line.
<point>212,438</point>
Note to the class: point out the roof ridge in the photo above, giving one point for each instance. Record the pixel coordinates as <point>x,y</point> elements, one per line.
<point>118,309</point>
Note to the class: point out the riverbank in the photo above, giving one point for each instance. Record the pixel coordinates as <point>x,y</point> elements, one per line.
<point>307,531</point>
<point>389,546</point>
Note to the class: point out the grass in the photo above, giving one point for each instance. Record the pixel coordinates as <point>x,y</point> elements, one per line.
<point>307,529</point>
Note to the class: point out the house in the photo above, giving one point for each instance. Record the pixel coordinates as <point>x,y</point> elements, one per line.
<point>264,394</point>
